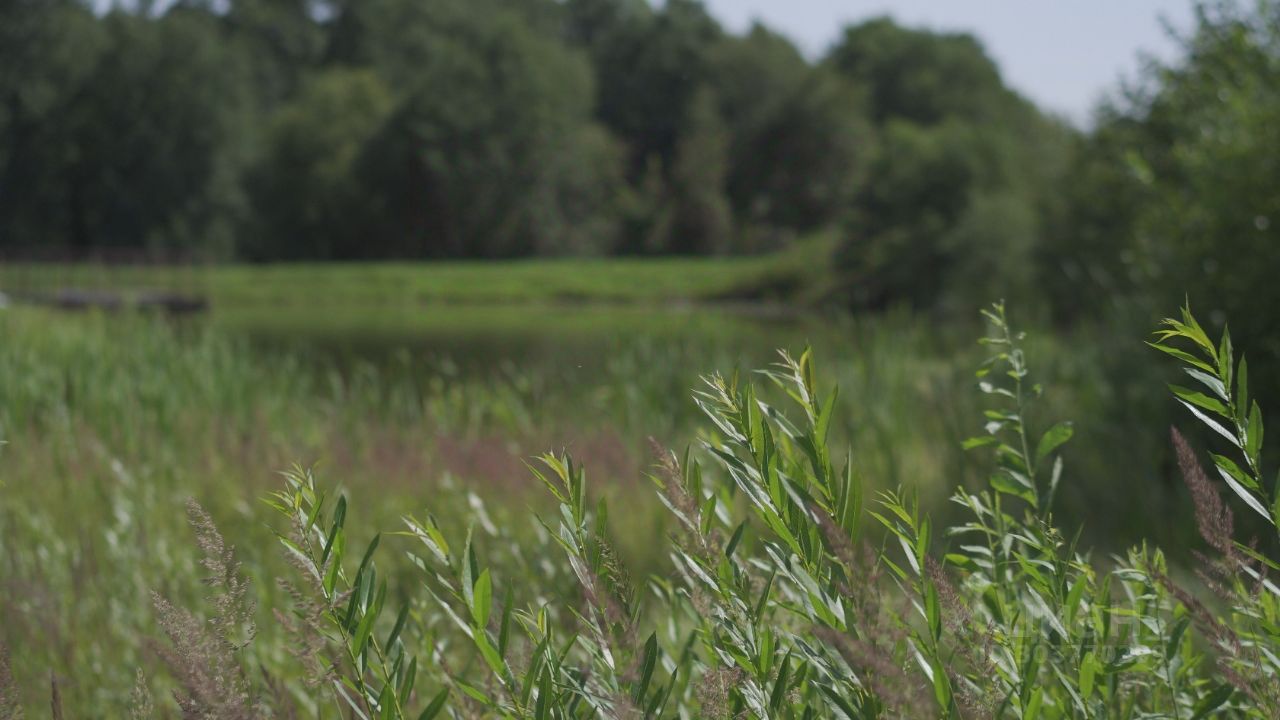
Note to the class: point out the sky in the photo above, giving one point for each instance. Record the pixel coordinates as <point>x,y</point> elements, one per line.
<point>1062,54</point>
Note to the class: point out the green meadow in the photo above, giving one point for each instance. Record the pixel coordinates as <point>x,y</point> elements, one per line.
<point>662,280</point>
<point>124,416</point>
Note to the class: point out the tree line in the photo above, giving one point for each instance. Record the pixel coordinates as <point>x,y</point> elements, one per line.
<point>422,129</point>
<point>350,129</point>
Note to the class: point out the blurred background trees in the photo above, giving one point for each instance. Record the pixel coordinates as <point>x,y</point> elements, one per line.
<point>345,129</point>
<point>1178,189</point>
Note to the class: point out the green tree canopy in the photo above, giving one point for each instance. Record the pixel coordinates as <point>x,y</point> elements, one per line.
<point>1179,187</point>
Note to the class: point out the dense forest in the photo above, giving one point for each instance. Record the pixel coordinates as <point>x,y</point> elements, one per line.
<point>423,129</point>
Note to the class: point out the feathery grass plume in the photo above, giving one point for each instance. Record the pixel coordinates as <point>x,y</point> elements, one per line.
<point>202,655</point>
<point>861,562</point>
<point>1213,516</point>
<point>974,646</point>
<point>233,610</point>
<point>877,667</point>
<point>678,498</point>
<point>877,625</point>
<point>1238,661</point>
<point>714,690</point>
<point>304,622</point>
<point>10,707</point>
<point>619,600</point>
<point>212,683</point>
<point>304,625</point>
<point>140,704</point>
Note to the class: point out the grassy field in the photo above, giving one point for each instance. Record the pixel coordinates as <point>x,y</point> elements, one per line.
<point>619,280</point>
<point>111,421</point>
<point>122,417</point>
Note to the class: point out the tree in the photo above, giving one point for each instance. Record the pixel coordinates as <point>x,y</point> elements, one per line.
<point>919,75</point>
<point>158,133</point>
<point>473,162</point>
<point>648,66</point>
<point>697,218</point>
<point>1192,153</point>
<point>139,148</point>
<point>308,199</point>
<point>47,52</point>
<point>800,141</point>
<point>958,200</point>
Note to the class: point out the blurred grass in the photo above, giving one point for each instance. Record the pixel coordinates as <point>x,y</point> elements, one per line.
<point>308,285</point>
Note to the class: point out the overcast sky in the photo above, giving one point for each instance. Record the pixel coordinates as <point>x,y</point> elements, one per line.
<point>1063,54</point>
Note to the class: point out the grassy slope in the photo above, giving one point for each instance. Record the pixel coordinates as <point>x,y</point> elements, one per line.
<point>641,280</point>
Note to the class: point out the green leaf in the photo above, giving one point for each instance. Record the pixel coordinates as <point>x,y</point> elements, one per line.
<point>436,705</point>
<point>334,530</point>
<point>384,702</point>
<point>1248,497</point>
<point>733,541</point>
<point>490,655</point>
<point>534,671</point>
<point>848,498</point>
<point>474,693</point>
<point>806,372</point>
<point>708,514</point>
<point>979,441</point>
<point>1211,423</point>
<point>1053,439</point>
<point>468,571</point>
<point>1216,386</point>
<point>504,628</point>
<point>368,553</point>
<point>1175,637</point>
<point>1033,705</point>
<point>410,675</point>
<point>1253,435</point>
<point>1212,701</point>
<point>922,541</point>
<point>1184,356</point>
<point>1226,361</point>
<point>1055,476</point>
<point>933,611</point>
<point>764,594</point>
<point>398,627</point>
<point>1072,604</point>
<point>1201,400</point>
<point>1191,330</point>
<point>483,600</point>
<point>647,665</point>
<point>335,565</point>
<point>361,636</point>
<point>823,426</point>
<point>1227,465</point>
<point>1088,670</point>
<point>544,694</point>
<point>780,685</point>
<point>1001,482</point>
<point>941,686</point>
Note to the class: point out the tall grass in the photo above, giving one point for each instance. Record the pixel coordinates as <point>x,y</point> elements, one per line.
<point>776,594</point>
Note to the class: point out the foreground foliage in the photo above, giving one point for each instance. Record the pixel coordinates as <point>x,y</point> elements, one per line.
<point>795,593</point>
